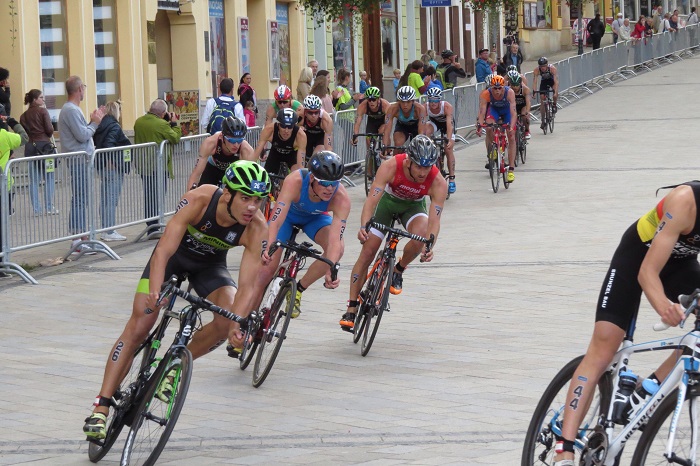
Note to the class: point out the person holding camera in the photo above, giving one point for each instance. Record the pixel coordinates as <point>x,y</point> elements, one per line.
<point>156,126</point>
<point>450,69</point>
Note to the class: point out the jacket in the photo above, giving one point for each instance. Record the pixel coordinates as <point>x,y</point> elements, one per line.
<point>482,70</point>
<point>596,28</point>
<point>508,59</point>
<point>37,122</point>
<point>110,134</point>
<point>152,128</point>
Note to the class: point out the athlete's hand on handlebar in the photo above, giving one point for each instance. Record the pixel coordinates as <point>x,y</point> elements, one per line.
<point>673,314</point>
<point>354,141</point>
<point>426,255</point>
<point>363,235</point>
<point>329,282</point>
<point>235,336</point>
<point>152,302</point>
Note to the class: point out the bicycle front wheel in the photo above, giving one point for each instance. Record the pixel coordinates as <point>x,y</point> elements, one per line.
<point>493,168</point>
<point>370,170</point>
<point>545,117</point>
<point>547,419</point>
<point>522,150</point>
<point>250,344</point>
<point>377,304</point>
<point>274,331</point>
<point>158,412</point>
<point>550,119</point>
<point>654,440</point>
<point>503,155</point>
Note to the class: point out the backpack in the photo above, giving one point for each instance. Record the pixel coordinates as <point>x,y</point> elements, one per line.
<point>441,72</point>
<point>222,110</point>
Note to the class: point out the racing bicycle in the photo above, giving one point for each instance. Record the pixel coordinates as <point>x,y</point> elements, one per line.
<point>498,155</point>
<point>549,112</point>
<point>276,181</point>
<point>521,141</point>
<point>373,158</point>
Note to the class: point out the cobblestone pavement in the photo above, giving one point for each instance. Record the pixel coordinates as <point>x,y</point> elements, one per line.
<point>460,361</point>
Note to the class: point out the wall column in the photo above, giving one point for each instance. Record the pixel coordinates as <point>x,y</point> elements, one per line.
<point>81,48</point>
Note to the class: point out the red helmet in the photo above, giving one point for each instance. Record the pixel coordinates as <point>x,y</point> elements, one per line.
<point>283,93</point>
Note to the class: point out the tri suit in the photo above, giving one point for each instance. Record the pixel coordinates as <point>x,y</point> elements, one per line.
<point>375,119</point>
<point>439,119</point>
<point>497,109</point>
<point>306,214</point>
<point>281,151</point>
<point>314,135</point>
<point>217,163</point>
<point>407,124</point>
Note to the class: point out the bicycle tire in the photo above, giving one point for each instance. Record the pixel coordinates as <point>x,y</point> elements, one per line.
<point>518,142</point>
<point>550,120</point>
<point>249,346</point>
<point>275,333</point>
<point>504,156</point>
<point>377,304</point>
<point>360,317</point>
<point>493,169</point>
<point>657,430</point>
<point>523,151</point>
<point>155,419</point>
<point>551,406</point>
<point>370,171</point>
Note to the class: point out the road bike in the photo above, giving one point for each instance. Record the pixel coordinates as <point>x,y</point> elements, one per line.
<point>373,158</point>
<point>668,417</point>
<point>521,141</point>
<point>549,112</point>
<point>440,142</point>
<point>136,402</point>
<point>498,155</point>
<point>276,185</point>
<point>374,297</point>
<point>267,328</point>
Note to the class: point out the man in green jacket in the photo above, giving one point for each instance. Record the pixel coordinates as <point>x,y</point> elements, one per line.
<point>156,126</point>
<point>8,142</point>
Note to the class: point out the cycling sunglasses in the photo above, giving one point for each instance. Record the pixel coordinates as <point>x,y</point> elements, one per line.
<point>313,112</point>
<point>235,140</point>
<point>433,100</point>
<point>327,184</point>
<point>282,101</point>
<point>372,99</point>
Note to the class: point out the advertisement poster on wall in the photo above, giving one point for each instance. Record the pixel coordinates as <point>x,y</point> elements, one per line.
<point>184,104</point>
<point>274,51</point>
<point>217,40</point>
<point>283,35</point>
<point>244,42</point>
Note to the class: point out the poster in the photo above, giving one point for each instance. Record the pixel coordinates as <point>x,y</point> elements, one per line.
<point>283,37</point>
<point>244,44</point>
<point>184,104</point>
<point>217,40</point>
<point>274,51</point>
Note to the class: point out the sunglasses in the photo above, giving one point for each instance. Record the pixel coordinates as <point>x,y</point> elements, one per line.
<point>327,184</point>
<point>282,101</point>
<point>497,87</point>
<point>313,112</point>
<point>433,100</point>
<point>235,140</point>
<point>372,99</point>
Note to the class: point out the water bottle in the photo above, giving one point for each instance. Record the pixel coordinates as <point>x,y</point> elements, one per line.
<point>626,386</point>
<point>640,396</point>
<point>272,293</point>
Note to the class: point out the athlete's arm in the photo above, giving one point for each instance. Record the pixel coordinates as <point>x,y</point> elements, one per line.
<point>385,174</point>
<point>388,119</point>
<point>679,215</point>
<point>340,206</point>
<point>422,118</point>
<point>361,110</point>
<point>290,192</point>
<point>247,152</point>
<point>265,137</point>
<point>449,123</point>
<point>482,108</point>
<point>555,75</point>
<point>535,75</point>
<point>527,94</point>
<point>438,195</point>
<point>270,115</point>
<point>300,142</point>
<point>513,114</point>
<point>327,125</point>
<point>205,150</point>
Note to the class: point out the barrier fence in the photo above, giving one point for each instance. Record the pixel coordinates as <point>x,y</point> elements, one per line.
<point>74,196</point>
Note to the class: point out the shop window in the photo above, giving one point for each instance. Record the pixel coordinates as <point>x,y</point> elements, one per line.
<point>390,38</point>
<point>106,70</point>
<point>54,55</point>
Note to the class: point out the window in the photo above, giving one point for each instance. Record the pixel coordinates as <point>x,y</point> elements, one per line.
<point>390,37</point>
<point>54,58</point>
<point>106,72</point>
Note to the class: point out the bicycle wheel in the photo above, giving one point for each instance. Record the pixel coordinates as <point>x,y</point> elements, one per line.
<point>545,117</point>
<point>274,332</point>
<point>360,317</point>
<point>547,418</point>
<point>493,168</point>
<point>522,150</point>
<point>250,345</point>
<point>550,119</point>
<point>654,440</point>
<point>377,304</point>
<point>370,170</point>
<point>155,419</point>
<point>503,155</point>
<point>519,138</point>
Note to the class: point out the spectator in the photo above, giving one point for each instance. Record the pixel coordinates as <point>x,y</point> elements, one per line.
<point>246,92</point>
<point>625,32</point>
<point>8,142</point>
<point>249,112</point>
<point>433,80</point>
<point>514,57</point>
<point>639,28</point>
<point>666,24</point>
<point>37,122</point>
<point>304,84</point>
<point>673,22</point>
<point>450,69</point>
<point>313,64</point>
<point>5,90</point>
<point>596,29</point>
<point>658,16</point>
<point>111,166</point>
<point>76,136</point>
<point>501,67</point>
<point>320,89</point>
<point>403,81</point>
<point>364,82</point>
<point>397,78</point>
<point>425,59</point>
<point>616,27</point>
<point>418,83</point>
<point>482,66</point>
<point>431,55</point>
<point>649,27</point>
<point>342,98</point>
<point>225,99</point>
<point>693,18</point>
<point>155,126</point>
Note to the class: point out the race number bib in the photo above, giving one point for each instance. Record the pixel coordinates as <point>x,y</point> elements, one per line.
<point>50,165</point>
<point>126,154</point>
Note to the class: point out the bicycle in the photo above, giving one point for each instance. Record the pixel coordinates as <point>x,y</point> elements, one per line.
<point>520,140</point>
<point>267,328</point>
<point>276,185</point>
<point>135,402</point>
<point>373,158</point>
<point>597,442</point>
<point>374,297</point>
<point>549,113</point>
<point>498,155</point>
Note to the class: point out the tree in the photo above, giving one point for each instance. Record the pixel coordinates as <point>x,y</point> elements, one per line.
<point>333,10</point>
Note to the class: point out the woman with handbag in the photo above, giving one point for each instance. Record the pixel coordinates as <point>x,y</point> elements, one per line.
<point>37,122</point>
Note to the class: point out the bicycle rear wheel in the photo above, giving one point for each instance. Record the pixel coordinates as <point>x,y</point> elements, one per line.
<point>155,419</point>
<point>550,119</point>
<point>548,416</point>
<point>654,440</point>
<point>522,150</point>
<point>370,170</point>
<point>493,168</point>
<point>519,137</point>
<point>274,331</point>
<point>377,304</point>
<point>545,117</point>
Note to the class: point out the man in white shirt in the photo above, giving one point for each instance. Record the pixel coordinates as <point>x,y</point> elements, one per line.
<point>616,28</point>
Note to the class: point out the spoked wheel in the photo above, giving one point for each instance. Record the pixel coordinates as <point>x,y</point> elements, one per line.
<point>360,320</point>
<point>546,422</point>
<point>377,303</point>
<point>494,168</point>
<point>654,440</point>
<point>550,117</point>
<point>274,331</point>
<point>504,157</point>
<point>370,170</point>
<point>155,418</point>
<point>522,150</point>
<point>250,339</point>
<point>518,142</point>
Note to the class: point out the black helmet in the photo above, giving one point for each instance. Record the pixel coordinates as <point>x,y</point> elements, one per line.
<point>447,53</point>
<point>326,166</point>
<point>422,151</point>
<point>287,118</point>
<point>542,61</point>
<point>234,127</point>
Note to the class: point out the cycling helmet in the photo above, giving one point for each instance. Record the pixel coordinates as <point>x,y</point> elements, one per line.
<point>434,92</point>
<point>234,127</point>
<point>373,93</point>
<point>514,78</point>
<point>312,102</point>
<point>247,177</point>
<point>405,94</point>
<point>498,81</point>
<point>488,78</point>
<point>326,166</point>
<point>512,68</point>
<point>287,118</point>
<point>422,151</point>
<point>283,93</point>
<point>447,53</point>
<point>542,61</point>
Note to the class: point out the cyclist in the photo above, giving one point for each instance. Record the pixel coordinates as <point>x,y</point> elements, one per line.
<point>307,199</point>
<point>318,126</point>
<point>441,118</point>
<point>283,99</point>
<point>497,104</point>
<point>400,187</point>
<point>410,115</point>
<point>218,151</point>
<point>376,109</point>
<point>657,255</point>
<point>522,99</point>
<point>208,222</point>
<point>515,68</point>
<point>287,141</point>
<point>549,79</point>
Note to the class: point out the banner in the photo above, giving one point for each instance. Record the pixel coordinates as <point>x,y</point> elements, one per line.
<point>244,43</point>
<point>184,104</point>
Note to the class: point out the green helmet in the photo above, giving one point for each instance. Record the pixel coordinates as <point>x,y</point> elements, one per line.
<point>372,93</point>
<point>247,177</point>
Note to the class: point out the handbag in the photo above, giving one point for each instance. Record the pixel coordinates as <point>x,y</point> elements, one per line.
<point>46,149</point>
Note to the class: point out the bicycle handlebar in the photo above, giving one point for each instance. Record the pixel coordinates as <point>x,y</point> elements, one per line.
<point>306,251</point>
<point>367,135</point>
<point>689,303</point>
<point>398,232</point>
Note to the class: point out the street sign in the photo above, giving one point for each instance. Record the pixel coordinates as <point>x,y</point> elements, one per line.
<point>439,3</point>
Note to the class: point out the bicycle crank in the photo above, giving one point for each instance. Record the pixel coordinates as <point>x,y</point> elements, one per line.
<point>596,449</point>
